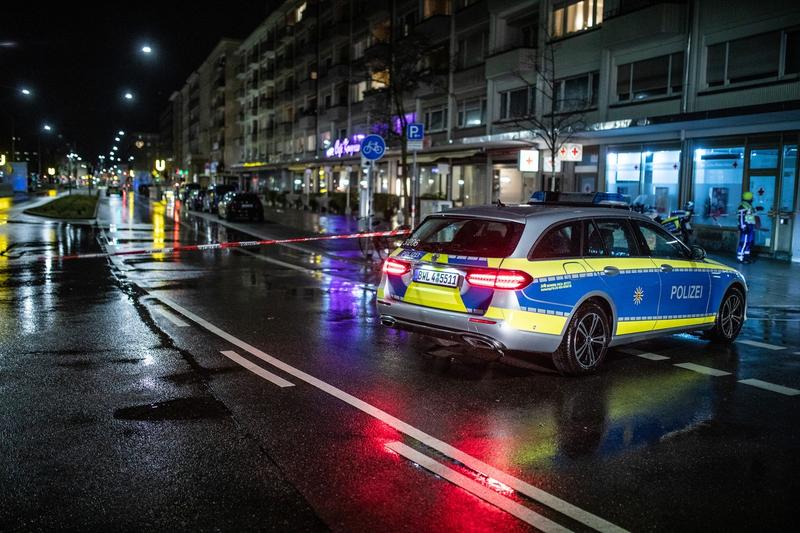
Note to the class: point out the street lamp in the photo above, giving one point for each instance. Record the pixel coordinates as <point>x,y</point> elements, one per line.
<point>147,49</point>
<point>120,133</point>
<point>45,128</point>
<point>128,96</point>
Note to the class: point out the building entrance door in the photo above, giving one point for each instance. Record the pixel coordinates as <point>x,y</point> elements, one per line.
<point>771,179</point>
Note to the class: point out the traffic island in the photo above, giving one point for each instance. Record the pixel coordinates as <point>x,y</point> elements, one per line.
<point>79,206</point>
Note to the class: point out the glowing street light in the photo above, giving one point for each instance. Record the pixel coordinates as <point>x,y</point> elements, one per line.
<point>25,91</point>
<point>47,127</point>
<point>120,133</point>
<point>128,96</point>
<point>147,49</point>
<point>116,139</point>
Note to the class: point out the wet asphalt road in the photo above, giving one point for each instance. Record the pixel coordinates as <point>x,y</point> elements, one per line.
<point>121,411</point>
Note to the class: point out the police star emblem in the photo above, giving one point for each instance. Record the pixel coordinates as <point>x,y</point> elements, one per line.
<point>638,295</point>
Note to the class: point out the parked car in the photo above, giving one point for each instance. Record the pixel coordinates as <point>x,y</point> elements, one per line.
<point>241,205</point>
<point>214,194</point>
<point>185,190</point>
<point>195,199</point>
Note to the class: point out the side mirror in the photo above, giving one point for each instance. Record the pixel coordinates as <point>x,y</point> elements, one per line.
<point>698,253</point>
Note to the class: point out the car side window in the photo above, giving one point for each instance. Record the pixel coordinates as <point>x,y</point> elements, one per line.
<point>559,242</point>
<point>660,243</point>
<point>609,238</point>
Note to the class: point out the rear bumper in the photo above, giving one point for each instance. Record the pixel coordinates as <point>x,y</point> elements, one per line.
<point>457,327</point>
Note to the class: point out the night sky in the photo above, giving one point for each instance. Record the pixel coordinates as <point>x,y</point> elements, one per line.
<point>80,60</point>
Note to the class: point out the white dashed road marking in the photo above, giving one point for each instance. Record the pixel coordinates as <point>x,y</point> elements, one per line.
<point>700,369</point>
<point>572,511</point>
<point>255,369</point>
<point>761,344</point>
<point>780,389</point>
<point>652,356</point>
<point>520,511</point>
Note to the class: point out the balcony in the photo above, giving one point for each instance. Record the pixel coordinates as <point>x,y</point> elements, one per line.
<point>473,76</point>
<point>336,73</point>
<point>510,63</point>
<point>436,27</point>
<point>307,120</point>
<point>336,113</point>
<point>654,21</point>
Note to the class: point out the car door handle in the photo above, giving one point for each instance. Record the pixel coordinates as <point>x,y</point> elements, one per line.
<point>666,268</point>
<point>610,271</point>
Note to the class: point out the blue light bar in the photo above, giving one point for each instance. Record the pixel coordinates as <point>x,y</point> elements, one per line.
<point>580,198</point>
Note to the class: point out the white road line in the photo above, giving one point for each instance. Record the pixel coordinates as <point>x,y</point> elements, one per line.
<point>520,511</point>
<point>312,271</point>
<point>700,369</point>
<point>172,318</point>
<point>761,344</point>
<point>652,356</point>
<point>545,498</point>
<point>257,370</point>
<point>629,351</point>
<point>780,389</point>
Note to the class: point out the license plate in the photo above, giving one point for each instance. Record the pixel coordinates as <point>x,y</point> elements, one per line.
<point>247,205</point>
<point>446,279</point>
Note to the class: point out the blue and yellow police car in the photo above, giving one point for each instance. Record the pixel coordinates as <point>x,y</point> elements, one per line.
<point>569,274</point>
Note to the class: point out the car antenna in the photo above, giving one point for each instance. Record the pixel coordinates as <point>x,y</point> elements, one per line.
<point>500,204</point>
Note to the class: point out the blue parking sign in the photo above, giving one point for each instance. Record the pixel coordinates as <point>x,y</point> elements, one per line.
<point>415,131</point>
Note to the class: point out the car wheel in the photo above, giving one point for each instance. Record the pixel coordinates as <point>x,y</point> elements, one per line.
<point>585,343</point>
<point>730,318</point>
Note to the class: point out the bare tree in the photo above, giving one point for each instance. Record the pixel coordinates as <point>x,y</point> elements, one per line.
<point>396,70</point>
<point>561,116</point>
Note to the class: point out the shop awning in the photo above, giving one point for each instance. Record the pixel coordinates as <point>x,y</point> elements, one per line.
<point>430,157</point>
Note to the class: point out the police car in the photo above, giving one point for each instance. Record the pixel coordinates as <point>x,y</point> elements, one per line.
<point>569,274</point>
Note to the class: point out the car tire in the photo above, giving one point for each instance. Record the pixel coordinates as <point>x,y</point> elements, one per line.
<point>730,318</point>
<point>585,344</point>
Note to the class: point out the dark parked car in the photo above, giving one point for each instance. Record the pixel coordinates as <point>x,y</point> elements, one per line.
<point>185,190</point>
<point>241,205</point>
<point>195,199</point>
<point>214,194</point>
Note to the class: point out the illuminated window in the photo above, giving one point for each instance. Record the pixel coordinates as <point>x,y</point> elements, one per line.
<point>517,103</point>
<point>357,91</point>
<point>379,80</point>
<point>570,16</point>
<point>435,7</point>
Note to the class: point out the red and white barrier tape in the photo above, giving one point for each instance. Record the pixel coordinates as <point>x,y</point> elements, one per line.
<point>239,244</point>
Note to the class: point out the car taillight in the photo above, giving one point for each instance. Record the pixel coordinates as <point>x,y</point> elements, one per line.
<point>396,267</point>
<point>512,280</point>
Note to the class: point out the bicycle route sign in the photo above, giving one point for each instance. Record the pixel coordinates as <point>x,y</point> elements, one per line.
<point>373,147</point>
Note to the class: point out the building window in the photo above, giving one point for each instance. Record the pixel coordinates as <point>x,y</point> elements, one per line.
<point>311,143</point>
<point>570,16</point>
<point>649,78</point>
<point>357,91</point>
<point>650,176</point>
<point>359,47</point>
<point>472,50</point>
<point>405,22</point>
<point>517,103</point>
<point>579,92</point>
<point>471,113</point>
<point>436,118</point>
<point>717,184</point>
<point>770,55</point>
<point>435,7</point>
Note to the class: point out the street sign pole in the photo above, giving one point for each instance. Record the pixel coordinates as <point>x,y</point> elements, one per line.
<point>415,134</point>
<point>414,187</point>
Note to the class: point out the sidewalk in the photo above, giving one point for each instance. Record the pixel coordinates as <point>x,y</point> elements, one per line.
<point>771,283</point>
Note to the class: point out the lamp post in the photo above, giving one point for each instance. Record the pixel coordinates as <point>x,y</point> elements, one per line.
<point>45,128</point>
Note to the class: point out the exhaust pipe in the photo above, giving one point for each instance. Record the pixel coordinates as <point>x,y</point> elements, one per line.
<point>388,321</point>
<point>482,343</point>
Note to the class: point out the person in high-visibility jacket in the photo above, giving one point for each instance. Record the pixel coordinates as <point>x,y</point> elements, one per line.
<point>747,227</point>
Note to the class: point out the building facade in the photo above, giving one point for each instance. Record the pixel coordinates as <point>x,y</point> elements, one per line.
<point>672,100</point>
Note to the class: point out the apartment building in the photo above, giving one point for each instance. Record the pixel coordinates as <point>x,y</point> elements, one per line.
<point>207,112</point>
<point>678,100</point>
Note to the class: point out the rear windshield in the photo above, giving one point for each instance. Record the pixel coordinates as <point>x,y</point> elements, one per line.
<point>466,236</point>
<point>246,197</point>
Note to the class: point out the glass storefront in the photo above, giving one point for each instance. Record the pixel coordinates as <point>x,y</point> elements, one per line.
<point>718,175</point>
<point>650,176</point>
<point>432,183</point>
<point>468,185</point>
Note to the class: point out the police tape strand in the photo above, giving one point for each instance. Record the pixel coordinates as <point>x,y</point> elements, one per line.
<point>226,245</point>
